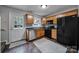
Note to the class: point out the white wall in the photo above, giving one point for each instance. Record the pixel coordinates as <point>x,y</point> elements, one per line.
<point>5,14</point>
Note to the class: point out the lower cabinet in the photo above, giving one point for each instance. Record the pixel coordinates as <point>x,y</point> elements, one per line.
<point>39,32</point>
<point>32,34</point>
<point>54,33</point>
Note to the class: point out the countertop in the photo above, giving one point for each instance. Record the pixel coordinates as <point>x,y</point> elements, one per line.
<point>37,27</point>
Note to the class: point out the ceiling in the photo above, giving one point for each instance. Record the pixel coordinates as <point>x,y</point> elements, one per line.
<point>36,9</point>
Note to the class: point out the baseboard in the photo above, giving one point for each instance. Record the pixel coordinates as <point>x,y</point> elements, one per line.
<point>17,43</point>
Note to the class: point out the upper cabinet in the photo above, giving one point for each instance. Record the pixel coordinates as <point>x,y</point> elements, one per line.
<point>52,18</point>
<point>29,19</point>
<point>49,18</point>
<point>44,21</point>
<point>69,13</point>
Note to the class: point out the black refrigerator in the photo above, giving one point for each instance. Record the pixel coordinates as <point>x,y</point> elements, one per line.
<point>67,30</point>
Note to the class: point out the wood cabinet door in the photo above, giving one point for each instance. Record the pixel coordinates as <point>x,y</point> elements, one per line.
<point>42,32</point>
<point>39,32</point>
<point>44,21</point>
<point>54,33</point>
<point>29,19</point>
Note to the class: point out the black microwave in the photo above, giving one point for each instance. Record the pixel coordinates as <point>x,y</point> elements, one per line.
<point>50,22</point>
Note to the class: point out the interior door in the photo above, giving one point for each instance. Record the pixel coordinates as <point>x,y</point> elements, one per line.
<point>15,33</point>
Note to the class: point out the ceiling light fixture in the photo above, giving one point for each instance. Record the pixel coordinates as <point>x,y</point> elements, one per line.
<point>43,6</point>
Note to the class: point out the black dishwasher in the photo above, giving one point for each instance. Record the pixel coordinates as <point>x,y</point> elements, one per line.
<point>48,33</point>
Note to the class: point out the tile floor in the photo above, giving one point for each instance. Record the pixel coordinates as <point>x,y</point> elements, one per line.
<point>25,48</point>
<point>31,47</point>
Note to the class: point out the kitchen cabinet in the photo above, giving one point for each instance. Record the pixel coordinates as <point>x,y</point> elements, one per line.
<point>32,34</point>
<point>29,19</point>
<point>44,21</point>
<point>39,32</point>
<point>53,18</point>
<point>70,13</point>
<point>54,33</point>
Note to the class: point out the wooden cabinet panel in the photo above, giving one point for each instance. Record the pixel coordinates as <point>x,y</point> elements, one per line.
<point>44,21</point>
<point>52,18</point>
<point>68,13</point>
<point>39,32</point>
<point>73,12</point>
<point>54,33</point>
<point>29,19</point>
<point>55,20</point>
